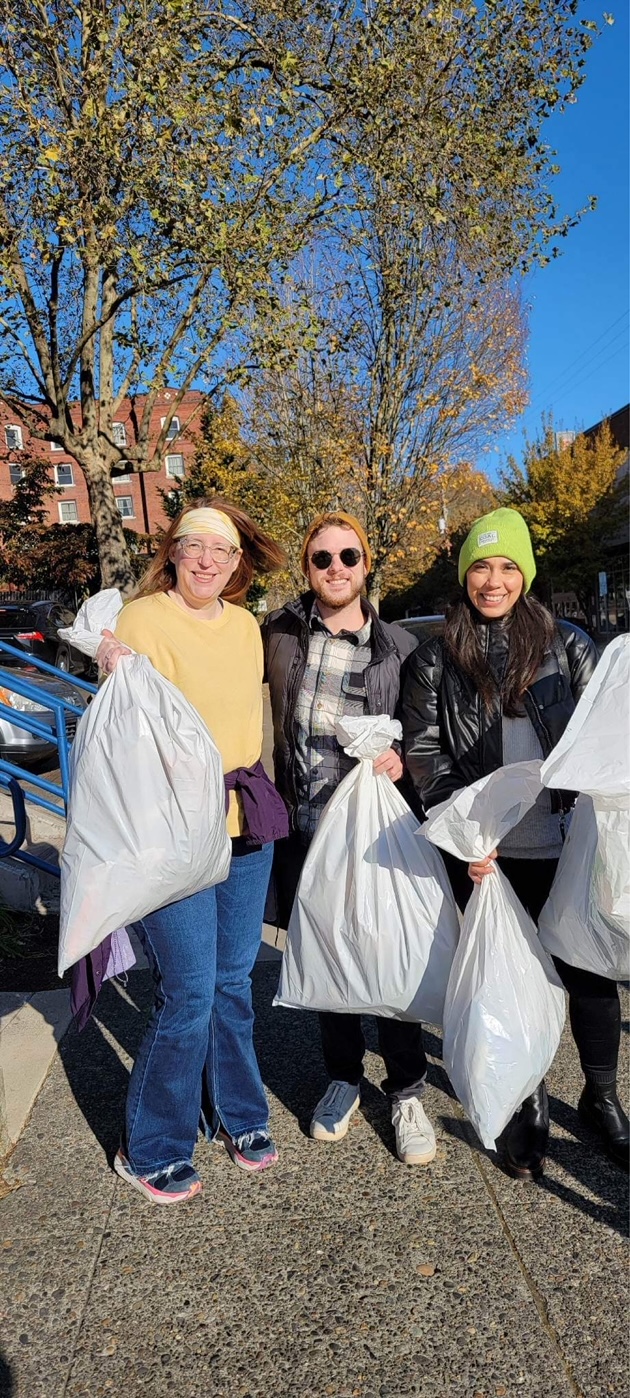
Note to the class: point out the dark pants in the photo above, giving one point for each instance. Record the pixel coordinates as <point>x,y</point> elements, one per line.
<point>343,1045</point>
<point>399,1044</point>
<point>594,1009</point>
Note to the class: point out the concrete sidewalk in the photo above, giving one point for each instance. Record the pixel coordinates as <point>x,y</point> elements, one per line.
<point>340,1272</point>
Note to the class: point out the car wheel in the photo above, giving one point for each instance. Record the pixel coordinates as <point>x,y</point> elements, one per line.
<point>62,659</point>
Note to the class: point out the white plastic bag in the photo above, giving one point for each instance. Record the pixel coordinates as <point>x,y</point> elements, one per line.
<point>593,753</point>
<point>586,920</point>
<point>146,819</point>
<point>504,1008</point>
<point>568,926</point>
<point>95,615</point>
<point>374,925</point>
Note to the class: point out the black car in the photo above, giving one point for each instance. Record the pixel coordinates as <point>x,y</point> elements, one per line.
<point>422,627</point>
<point>32,627</point>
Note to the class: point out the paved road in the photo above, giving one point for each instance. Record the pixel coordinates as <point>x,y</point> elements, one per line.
<point>338,1273</point>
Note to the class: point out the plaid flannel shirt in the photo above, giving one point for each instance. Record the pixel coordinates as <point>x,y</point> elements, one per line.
<point>333,685</point>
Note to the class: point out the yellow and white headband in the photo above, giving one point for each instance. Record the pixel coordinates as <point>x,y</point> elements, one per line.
<point>208,521</point>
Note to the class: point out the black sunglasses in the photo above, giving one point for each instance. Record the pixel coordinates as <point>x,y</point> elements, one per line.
<point>323,559</point>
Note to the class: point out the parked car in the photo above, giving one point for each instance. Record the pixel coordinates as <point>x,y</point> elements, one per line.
<point>33,626</point>
<point>17,744</point>
<point>422,626</point>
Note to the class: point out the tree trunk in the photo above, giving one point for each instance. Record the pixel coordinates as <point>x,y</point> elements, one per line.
<point>116,569</point>
<point>374,588</point>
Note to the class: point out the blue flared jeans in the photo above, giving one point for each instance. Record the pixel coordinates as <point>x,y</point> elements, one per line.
<point>199,1039</point>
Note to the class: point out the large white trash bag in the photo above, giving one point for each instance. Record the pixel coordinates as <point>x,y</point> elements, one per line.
<point>94,616</point>
<point>586,920</point>
<point>146,818</point>
<point>569,927</point>
<point>374,925</point>
<point>504,1009</point>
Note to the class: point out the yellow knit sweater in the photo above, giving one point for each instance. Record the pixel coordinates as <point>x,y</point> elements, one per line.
<point>218,665</point>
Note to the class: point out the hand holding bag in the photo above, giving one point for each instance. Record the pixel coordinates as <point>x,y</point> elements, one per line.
<point>374,924</point>
<point>504,1009</point>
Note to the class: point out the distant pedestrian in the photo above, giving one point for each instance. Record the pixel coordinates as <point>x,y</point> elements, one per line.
<point>499,687</point>
<point>327,654</point>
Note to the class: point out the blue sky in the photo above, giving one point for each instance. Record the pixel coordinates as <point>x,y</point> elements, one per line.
<point>578,318</point>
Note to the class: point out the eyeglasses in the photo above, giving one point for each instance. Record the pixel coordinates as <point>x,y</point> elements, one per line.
<point>193,548</point>
<point>323,559</point>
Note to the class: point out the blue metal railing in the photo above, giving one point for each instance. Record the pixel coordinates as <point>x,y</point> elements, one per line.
<point>12,776</point>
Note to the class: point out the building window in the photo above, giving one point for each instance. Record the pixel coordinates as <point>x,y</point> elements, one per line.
<point>63,474</point>
<point>68,512</point>
<point>119,433</point>
<point>56,446</point>
<point>125,478</point>
<point>13,435</point>
<point>16,473</point>
<point>175,465</point>
<point>125,506</point>
<point>173,430</point>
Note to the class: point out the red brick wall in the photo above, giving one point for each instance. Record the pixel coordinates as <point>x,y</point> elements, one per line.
<point>143,488</point>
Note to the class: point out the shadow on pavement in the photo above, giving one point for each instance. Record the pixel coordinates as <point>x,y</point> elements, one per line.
<point>289,1053</point>
<point>7,1386</point>
<point>96,1075</point>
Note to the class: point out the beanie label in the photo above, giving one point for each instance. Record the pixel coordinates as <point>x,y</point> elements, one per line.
<point>490,537</point>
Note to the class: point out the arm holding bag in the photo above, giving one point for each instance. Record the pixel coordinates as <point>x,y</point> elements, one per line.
<point>374,924</point>
<point>146,817</point>
<point>504,1009</point>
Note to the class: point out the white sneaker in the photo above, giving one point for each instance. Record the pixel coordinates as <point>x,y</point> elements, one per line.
<point>331,1117</point>
<point>415,1137</point>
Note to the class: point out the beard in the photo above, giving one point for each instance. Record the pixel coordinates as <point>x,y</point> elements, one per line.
<point>335,599</point>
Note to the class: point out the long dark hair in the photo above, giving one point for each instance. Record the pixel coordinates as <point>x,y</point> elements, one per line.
<point>260,553</point>
<point>530,629</point>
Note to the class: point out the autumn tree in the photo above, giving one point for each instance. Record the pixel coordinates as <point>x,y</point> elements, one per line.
<point>57,558</point>
<point>572,498</point>
<point>416,362</point>
<point>161,163</point>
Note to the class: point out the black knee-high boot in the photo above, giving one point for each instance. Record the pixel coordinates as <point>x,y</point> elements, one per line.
<point>528,1133</point>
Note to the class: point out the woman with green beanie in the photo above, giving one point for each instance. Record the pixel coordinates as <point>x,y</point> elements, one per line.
<point>499,686</point>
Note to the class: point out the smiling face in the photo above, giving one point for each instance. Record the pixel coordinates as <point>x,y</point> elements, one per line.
<point>200,581</point>
<point>337,585</point>
<point>494,585</point>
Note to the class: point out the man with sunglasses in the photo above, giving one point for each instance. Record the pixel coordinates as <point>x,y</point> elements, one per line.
<point>328,655</point>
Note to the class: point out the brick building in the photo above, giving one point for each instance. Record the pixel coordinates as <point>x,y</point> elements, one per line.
<point>137,493</point>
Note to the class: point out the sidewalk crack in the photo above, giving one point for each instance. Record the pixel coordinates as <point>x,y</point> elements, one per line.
<point>534,1291</point>
<point>90,1281</point>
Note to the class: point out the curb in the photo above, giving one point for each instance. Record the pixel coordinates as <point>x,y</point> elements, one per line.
<point>31,1027</point>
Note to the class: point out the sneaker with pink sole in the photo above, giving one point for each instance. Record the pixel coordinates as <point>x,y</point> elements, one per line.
<point>253,1151</point>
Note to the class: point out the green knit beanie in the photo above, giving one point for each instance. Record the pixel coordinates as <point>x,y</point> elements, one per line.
<point>501,534</point>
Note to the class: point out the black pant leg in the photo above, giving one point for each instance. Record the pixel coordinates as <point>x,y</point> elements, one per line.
<point>459,878</point>
<point>343,1046</point>
<point>595,1014</point>
<point>401,1047</point>
<point>531,880</point>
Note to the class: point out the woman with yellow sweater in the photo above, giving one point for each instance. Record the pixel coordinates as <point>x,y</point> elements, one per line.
<point>197,1058</point>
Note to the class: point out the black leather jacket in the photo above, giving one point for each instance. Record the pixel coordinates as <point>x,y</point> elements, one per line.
<point>285,635</point>
<point>450,740</point>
